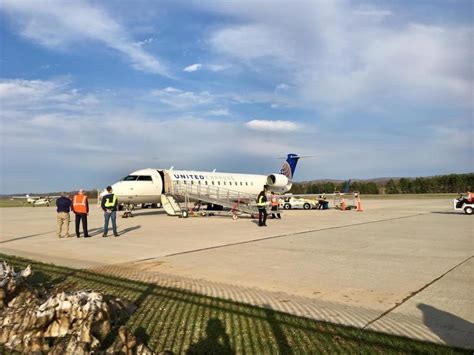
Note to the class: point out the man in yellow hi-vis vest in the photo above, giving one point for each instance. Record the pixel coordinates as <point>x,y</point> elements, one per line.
<point>109,204</point>
<point>262,208</point>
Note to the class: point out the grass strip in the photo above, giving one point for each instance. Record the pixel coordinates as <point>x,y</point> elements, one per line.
<point>185,322</point>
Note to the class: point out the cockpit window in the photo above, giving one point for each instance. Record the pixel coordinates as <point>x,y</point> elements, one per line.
<point>130,178</point>
<point>144,178</point>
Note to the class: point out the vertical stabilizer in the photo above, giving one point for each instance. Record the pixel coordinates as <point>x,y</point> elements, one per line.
<point>289,166</point>
<point>347,187</point>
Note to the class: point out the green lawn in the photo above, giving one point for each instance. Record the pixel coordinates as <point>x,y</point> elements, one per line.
<point>181,321</point>
<point>12,203</point>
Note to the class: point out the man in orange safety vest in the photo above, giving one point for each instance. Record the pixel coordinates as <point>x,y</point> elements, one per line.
<point>80,207</point>
<point>275,203</point>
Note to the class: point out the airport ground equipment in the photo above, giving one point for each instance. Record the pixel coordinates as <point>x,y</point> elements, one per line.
<point>298,203</point>
<point>177,201</point>
<point>463,205</point>
<point>350,199</point>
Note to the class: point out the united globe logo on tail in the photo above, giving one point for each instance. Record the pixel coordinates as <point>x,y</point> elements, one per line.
<point>289,166</point>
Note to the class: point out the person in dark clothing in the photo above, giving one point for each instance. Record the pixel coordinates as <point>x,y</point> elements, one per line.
<point>63,205</point>
<point>109,204</point>
<point>262,208</point>
<point>80,206</point>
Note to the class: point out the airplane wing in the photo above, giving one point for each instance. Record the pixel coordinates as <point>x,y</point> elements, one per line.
<point>24,197</point>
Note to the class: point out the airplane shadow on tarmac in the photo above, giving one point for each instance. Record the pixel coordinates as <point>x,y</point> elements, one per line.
<point>446,326</point>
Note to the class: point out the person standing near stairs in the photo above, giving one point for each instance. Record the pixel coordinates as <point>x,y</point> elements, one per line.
<point>275,203</point>
<point>262,208</point>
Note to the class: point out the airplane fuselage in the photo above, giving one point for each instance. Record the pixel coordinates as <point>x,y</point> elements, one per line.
<point>147,185</point>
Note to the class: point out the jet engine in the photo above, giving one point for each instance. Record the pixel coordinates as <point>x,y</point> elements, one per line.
<point>277,180</point>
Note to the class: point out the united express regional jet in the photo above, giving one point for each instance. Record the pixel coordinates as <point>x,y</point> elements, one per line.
<point>146,186</point>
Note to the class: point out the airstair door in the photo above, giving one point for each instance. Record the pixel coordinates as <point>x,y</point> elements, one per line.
<point>168,184</point>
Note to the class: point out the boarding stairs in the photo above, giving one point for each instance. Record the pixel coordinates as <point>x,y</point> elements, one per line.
<point>170,205</point>
<point>237,202</point>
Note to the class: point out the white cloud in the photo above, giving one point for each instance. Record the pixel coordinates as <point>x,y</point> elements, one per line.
<point>282,86</point>
<point>220,112</point>
<point>274,126</point>
<point>192,68</point>
<point>41,93</point>
<point>338,53</point>
<point>60,24</point>
<point>372,13</point>
<point>182,99</point>
<point>250,42</point>
<point>38,134</point>
<point>145,42</point>
<point>218,67</point>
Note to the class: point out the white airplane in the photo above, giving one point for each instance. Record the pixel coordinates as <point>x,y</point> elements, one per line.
<point>146,186</point>
<point>35,200</point>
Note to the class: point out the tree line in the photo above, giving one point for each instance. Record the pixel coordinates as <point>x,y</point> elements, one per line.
<point>451,183</point>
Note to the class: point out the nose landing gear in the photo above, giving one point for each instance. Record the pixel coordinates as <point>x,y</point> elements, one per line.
<point>128,207</point>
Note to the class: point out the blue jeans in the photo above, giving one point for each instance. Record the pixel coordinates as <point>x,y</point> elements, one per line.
<point>113,216</point>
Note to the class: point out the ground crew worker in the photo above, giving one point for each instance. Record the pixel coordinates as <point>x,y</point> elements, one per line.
<point>321,201</point>
<point>275,203</point>
<point>109,204</point>
<point>470,196</point>
<point>262,208</point>
<point>63,205</point>
<point>80,206</point>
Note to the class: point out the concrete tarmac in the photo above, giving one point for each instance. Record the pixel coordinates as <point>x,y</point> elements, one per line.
<point>402,266</point>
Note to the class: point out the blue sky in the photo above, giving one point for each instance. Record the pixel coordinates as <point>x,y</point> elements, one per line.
<point>91,90</point>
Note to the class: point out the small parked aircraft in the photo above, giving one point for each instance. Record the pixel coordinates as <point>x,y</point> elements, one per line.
<point>36,200</point>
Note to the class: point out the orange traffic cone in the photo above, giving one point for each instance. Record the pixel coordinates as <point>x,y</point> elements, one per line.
<point>343,205</point>
<point>359,205</point>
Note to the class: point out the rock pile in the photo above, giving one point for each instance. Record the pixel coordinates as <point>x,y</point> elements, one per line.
<point>63,323</point>
<point>10,281</point>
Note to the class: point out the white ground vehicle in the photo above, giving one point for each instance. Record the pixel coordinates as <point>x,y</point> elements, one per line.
<point>463,205</point>
<point>289,203</point>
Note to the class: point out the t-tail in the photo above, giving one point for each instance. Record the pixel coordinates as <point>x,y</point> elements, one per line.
<point>289,166</point>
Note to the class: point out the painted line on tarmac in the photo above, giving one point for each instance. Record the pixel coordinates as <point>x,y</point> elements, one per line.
<point>289,235</point>
<point>25,237</point>
<point>413,294</point>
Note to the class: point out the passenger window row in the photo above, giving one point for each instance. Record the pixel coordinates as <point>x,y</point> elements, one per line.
<point>213,183</point>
